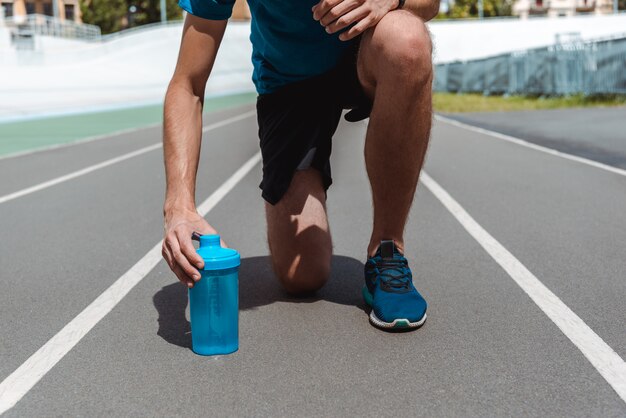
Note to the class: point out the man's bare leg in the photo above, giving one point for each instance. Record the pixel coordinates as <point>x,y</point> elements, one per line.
<point>299,235</point>
<point>395,69</point>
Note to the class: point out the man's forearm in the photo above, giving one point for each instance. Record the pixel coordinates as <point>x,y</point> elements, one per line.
<point>426,9</point>
<point>182,119</point>
<point>182,134</point>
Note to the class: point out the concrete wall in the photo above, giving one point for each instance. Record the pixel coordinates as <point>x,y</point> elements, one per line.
<point>471,39</point>
<point>132,69</point>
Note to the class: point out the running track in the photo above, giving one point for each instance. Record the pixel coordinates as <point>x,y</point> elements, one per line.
<point>518,249</point>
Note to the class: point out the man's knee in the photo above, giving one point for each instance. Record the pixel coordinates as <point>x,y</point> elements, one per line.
<point>402,47</point>
<point>302,274</point>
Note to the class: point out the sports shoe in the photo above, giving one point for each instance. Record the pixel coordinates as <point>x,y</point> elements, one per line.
<point>389,290</point>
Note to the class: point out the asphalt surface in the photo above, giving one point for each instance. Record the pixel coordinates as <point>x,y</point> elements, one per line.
<point>594,133</point>
<point>486,349</point>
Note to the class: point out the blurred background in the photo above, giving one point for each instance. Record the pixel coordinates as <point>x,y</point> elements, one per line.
<point>72,69</point>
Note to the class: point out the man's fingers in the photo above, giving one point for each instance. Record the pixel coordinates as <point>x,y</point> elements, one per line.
<point>348,19</point>
<point>182,276</point>
<point>338,11</point>
<point>180,259</point>
<point>358,29</point>
<point>167,255</point>
<point>186,247</point>
<point>323,7</point>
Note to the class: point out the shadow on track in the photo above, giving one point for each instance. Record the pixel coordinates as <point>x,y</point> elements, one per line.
<point>258,287</point>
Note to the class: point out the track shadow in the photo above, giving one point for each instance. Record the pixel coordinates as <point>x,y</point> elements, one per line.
<point>258,287</point>
<point>171,302</point>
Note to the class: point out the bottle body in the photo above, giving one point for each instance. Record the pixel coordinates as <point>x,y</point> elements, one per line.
<point>214,311</point>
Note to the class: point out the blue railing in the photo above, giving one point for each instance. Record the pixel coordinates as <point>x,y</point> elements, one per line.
<point>595,67</point>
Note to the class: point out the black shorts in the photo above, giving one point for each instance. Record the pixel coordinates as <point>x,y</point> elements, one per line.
<point>297,123</point>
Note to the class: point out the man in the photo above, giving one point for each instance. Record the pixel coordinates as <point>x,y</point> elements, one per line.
<point>311,60</point>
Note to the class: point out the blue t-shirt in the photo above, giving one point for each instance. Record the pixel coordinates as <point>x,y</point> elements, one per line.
<point>288,45</point>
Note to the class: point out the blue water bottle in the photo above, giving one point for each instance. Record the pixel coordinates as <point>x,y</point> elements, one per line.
<point>214,300</point>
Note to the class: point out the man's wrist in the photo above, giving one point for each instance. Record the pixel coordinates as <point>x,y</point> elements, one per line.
<point>172,208</point>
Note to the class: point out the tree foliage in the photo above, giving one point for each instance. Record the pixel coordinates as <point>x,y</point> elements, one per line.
<point>149,11</point>
<point>491,8</point>
<point>107,14</point>
<point>115,15</point>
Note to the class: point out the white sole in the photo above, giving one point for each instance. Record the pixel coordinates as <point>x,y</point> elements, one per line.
<point>397,323</point>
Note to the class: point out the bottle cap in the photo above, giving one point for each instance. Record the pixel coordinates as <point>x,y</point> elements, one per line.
<point>215,256</point>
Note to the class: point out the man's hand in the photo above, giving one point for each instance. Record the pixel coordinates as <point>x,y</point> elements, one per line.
<point>178,250</point>
<point>336,15</point>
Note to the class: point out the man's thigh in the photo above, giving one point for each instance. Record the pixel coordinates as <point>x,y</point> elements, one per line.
<point>296,126</point>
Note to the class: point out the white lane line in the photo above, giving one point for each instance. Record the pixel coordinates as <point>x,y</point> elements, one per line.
<point>103,164</point>
<point>606,361</point>
<point>530,145</point>
<point>78,173</point>
<point>228,121</point>
<point>18,383</point>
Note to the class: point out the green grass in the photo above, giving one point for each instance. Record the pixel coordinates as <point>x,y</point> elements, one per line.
<point>451,102</point>
<point>34,134</point>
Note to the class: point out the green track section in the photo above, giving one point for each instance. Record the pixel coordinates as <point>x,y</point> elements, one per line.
<point>17,137</point>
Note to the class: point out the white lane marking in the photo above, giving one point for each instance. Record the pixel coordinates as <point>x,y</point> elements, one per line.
<point>536,147</point>
<point>77,173</point>
<point>606,361</point>
<point>111,161</point>
<point>228,121</point>
<point>18,383</point>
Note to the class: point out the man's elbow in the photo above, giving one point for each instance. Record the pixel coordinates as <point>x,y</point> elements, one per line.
<point>187,86</point>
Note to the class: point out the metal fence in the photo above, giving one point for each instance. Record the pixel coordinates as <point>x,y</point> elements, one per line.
<point>36,24</point>
<point>597,67</point>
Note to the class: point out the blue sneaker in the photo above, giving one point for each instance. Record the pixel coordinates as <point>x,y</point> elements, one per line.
<point>389,290</point>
